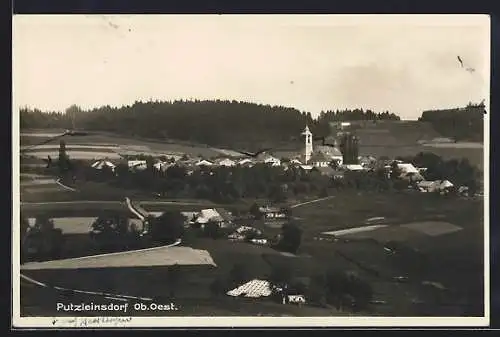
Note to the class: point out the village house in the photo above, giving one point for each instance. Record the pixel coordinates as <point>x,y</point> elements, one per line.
<point>190,217</point>
<point>306,168</point>
<point>437,186</point>
<point>246,162</point>
<point>319,159</point>
<point>162,165</point>
<point>225,162</point>
<point>101,164</point>
<point>137,165</point>
<point>259,241</point>
<point>272,212</point>
<point>273,161</point>
<point>204,162</point>
<point>353,167</point>
<point>409,172</point>
<point>220,216</point>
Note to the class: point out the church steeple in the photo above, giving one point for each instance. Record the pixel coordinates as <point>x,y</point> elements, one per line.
<point>309,146</point>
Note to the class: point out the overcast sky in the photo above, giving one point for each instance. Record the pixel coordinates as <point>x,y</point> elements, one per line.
<point>404,64</point>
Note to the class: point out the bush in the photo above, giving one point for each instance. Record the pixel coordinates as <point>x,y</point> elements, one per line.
<point>290,239</point>
<point>167,228</point>
<point>239,273</point>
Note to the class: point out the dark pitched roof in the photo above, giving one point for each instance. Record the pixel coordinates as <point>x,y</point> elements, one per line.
<point>225,215</point>
<point>319,157</point>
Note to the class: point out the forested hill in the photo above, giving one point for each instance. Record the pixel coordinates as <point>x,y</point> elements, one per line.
<point>217,123</point>
<point>460,124</point>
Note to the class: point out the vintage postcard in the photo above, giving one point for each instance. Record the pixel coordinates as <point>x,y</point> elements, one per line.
<point>250,170</point>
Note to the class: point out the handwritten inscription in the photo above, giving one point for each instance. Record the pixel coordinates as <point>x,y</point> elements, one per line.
<point>83,322</point>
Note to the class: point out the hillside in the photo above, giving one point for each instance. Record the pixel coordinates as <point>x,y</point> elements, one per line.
<point>215,123</point>
<point>394,133</point>
<point>241,125</point>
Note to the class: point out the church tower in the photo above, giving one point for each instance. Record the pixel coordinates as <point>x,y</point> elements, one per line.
<point>309,145</point>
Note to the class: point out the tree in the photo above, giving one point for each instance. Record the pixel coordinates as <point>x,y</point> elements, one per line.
<point>72,113</point>
<point>349,148</point>
<point>239,273</point>
<point>255,211</point>
<point>395,171</point>
<point>112,232</point>
<point>212,230</point>
<point>168,227</point>
<point>44,240</point>
<point>346,289</point>
<point>291,238</point>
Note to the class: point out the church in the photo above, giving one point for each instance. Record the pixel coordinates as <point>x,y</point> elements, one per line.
<point>318,155</point>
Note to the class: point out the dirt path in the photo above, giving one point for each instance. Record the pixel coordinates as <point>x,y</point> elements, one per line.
<point>311,202</point>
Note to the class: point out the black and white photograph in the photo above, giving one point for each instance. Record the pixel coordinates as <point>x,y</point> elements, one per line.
<point>250,170</point>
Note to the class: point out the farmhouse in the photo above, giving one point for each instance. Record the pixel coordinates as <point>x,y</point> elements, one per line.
<point>222,217</point>
<point>353,167</point>
<point>296,299</point>
<point>226,216</point>
<point>435,186</point>
<point>101,164</point>
<point>306,168</point>
<point>273,161</point>
<point>319,159</point>
<point>204,162</point>
<point>137,165</point>
<point>272,212</point>
<point>246,162</point>
<point>254,288</point>
<point>189,216</point>
<point>225,162</point>
<point>162,165</point>
<point>409,172</point>
<point>259,241</point>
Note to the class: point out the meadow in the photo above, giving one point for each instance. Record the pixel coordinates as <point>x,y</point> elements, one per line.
<point>454,260</point>
<point>105,143</point>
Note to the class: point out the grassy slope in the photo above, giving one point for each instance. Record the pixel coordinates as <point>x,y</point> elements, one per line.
<point>455,259</point>
<point>110,139</point>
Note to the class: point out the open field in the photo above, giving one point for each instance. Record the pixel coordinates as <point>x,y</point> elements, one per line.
<point>151,257</point>
<point>156,147</point>
<point>192,292</point>
<point>349,208</point>
<point>460,145</point>
<point>432,240</point>
<point>453,260</point>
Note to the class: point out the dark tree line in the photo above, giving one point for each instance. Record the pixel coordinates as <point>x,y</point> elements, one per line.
<point>460,124</point>
<point>220,123</point>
